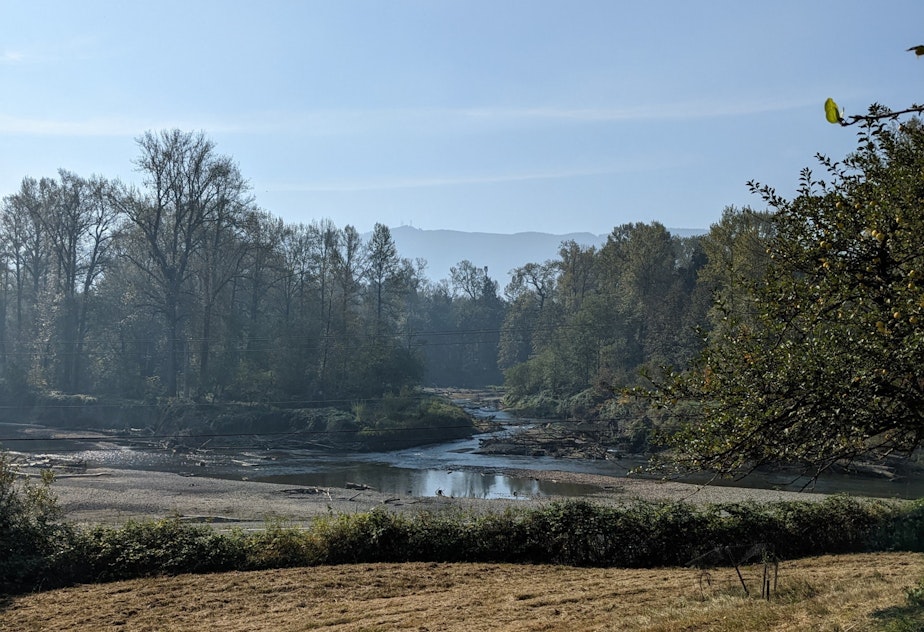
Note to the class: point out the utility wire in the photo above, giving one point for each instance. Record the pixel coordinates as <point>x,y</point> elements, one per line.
<point>294,433</point>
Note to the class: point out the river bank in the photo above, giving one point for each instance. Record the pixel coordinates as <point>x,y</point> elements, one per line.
<point>114,496</point>
<point>100,481</point>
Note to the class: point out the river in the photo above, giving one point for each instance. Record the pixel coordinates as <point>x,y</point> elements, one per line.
<point>452,469</point>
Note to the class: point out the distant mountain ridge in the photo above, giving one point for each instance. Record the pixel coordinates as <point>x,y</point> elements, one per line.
<point>501,253</point>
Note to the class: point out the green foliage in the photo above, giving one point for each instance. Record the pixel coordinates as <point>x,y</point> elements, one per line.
<point>593,319</point>
<point>467,313</point>
<point>376,536</point>
<point>827,365</point>
<point>901,530</point>
<point>410,419</point>
<point>15,389</point>
<point>737,251</point>
<point>32,538</point>
<point>213,298</point>
<point>279,546</point>
<point>838,524</point>
<point>158,547</point>
<point>500,537</point>
<point>578,532</point>
<point>440,536</point>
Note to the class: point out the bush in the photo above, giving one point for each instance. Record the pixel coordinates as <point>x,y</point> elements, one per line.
<point>279,546</point>
<point>160,547</point>
<point>32,538</point>
<point>436,537</point>
<point>838,524</point>
<point>376,536</point>
<point>902,529</point>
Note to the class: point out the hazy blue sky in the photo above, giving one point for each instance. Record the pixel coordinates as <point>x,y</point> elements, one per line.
<point>496,115</point>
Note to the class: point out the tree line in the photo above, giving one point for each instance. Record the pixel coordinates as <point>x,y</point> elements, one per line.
<point>184,286</point>
<point>786,320</point>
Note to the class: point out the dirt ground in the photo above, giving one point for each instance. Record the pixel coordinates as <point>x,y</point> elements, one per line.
<point>826,593</point>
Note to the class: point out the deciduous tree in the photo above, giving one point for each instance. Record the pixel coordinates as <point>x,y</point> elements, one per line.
<point>186,187</point>
<point>829,367</point>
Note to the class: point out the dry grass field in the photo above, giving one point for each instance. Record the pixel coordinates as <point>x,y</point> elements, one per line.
<point>851,592</point>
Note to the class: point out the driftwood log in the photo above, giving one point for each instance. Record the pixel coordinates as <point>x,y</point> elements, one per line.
<point>360,486</point>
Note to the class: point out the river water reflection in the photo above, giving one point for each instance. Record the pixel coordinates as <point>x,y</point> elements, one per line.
<point>450,469</point>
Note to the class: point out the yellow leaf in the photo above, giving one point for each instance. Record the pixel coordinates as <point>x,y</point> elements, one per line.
<point>832,112</point>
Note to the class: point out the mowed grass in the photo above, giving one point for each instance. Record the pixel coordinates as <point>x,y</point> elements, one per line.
<point>847,592</point>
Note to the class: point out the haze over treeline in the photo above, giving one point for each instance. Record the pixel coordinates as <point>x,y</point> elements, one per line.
<point>185,286</point>
<point>500,253</point>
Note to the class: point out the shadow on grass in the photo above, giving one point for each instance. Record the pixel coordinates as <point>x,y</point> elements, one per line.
<point>908,618</point>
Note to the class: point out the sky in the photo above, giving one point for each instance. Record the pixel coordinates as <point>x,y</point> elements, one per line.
<point>500,116</point>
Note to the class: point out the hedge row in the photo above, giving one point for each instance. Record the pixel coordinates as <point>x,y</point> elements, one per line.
<point>579,533</point>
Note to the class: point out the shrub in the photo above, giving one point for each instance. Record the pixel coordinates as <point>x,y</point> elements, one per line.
<point>575,533</point>
<point>279,546</point>
<point>32,539</point>
<point>160,547</point>
<point>902,529</point>
<point>501,537</point>
<point>375,536</point>
<point>837,524</point>
<point>439,537</point>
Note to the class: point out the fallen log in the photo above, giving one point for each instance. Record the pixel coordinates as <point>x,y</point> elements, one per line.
<point>360,486</point>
